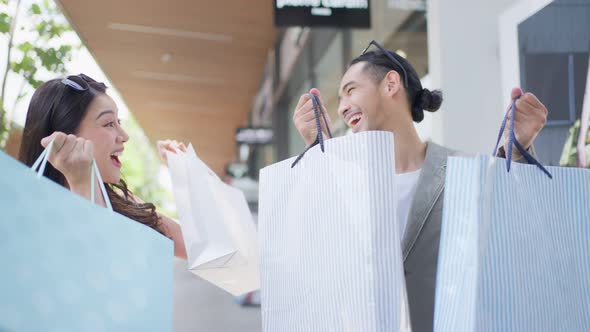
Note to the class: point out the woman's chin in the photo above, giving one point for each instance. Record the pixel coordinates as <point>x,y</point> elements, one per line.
<point>111,178</point>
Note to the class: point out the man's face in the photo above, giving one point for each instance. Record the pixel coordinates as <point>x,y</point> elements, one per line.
<point>360,100</point>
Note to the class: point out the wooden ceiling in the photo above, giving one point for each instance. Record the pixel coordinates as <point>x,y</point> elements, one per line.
<point>187,69</point>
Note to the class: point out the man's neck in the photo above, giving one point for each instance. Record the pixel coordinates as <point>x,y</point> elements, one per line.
<point>410,151</point>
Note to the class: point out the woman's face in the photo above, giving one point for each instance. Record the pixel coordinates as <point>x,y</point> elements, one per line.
<point>102,127</point>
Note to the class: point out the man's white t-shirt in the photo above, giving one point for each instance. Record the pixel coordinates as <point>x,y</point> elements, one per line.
<point>406,188</point>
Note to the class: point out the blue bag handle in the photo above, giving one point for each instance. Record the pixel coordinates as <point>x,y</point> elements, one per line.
<point>317,110</point>
<point>512,141</point>
<point>42,162</point>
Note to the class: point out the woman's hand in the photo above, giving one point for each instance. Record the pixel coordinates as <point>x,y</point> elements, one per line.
<point>72,156</point>
<point>169,145</point>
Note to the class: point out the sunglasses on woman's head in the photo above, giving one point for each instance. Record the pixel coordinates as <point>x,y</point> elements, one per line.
<point>78,82</point>
<point>391,58</point>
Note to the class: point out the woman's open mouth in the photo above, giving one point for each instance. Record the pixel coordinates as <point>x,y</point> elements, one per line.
<point>115,158</point>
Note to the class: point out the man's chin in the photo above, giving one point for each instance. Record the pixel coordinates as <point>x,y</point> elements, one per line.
<point>359,129</point>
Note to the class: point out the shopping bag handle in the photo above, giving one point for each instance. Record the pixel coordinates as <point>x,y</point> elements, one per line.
<point>41,162</point>
<point>317,110</point>
<point>513,141</point>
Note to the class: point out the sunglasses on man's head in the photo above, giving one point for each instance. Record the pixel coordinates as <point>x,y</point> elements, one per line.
<point>391,58</point>
<point>78,82</point>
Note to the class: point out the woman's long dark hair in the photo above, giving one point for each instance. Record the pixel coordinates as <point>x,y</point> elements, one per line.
<point>58,107</point>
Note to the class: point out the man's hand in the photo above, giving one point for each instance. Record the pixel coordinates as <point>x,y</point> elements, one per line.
<point>304,117</point>
<point>530,117</point>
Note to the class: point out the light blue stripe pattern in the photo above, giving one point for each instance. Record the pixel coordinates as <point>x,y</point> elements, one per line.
<point>329,243</point>
<point>514,249</point>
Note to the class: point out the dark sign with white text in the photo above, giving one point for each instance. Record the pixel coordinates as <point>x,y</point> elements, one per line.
<point>323,13</point>
<point>254,135</point>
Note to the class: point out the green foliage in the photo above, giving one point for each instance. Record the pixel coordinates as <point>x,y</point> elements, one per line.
<point>45,50</point>
<point>3,125</point>
<point>569,155</point>
<point>36,9</point>
<point>49,27</point>
<point>5,22</point>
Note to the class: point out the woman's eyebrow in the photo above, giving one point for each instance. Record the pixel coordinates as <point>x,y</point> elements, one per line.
<point>104,112</point>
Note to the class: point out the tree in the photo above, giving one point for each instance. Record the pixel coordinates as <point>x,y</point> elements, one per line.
<point>40,48</point>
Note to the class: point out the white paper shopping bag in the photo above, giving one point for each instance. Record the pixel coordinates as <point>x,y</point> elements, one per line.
<point>330,244</point>
<point>217,226</point>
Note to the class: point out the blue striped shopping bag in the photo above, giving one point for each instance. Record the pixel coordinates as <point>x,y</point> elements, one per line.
<point>515,247</point>
<point>70,265</point>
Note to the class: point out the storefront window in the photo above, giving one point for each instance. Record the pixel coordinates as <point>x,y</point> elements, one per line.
<point>328,71</point>
<point>299,83</point>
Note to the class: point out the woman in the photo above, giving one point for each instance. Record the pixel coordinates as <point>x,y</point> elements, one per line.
<point>82,121</point>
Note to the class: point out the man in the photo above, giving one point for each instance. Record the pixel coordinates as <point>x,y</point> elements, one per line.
<point>382,91</point>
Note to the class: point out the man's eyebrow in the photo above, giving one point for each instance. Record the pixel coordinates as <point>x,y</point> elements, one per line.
<point>344,89</point>
<point>347,85</point>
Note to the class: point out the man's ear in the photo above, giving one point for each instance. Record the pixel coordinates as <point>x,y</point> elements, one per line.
<point>392,83</point>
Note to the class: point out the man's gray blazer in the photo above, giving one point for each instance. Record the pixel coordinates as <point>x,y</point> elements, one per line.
<point>421,237</point>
